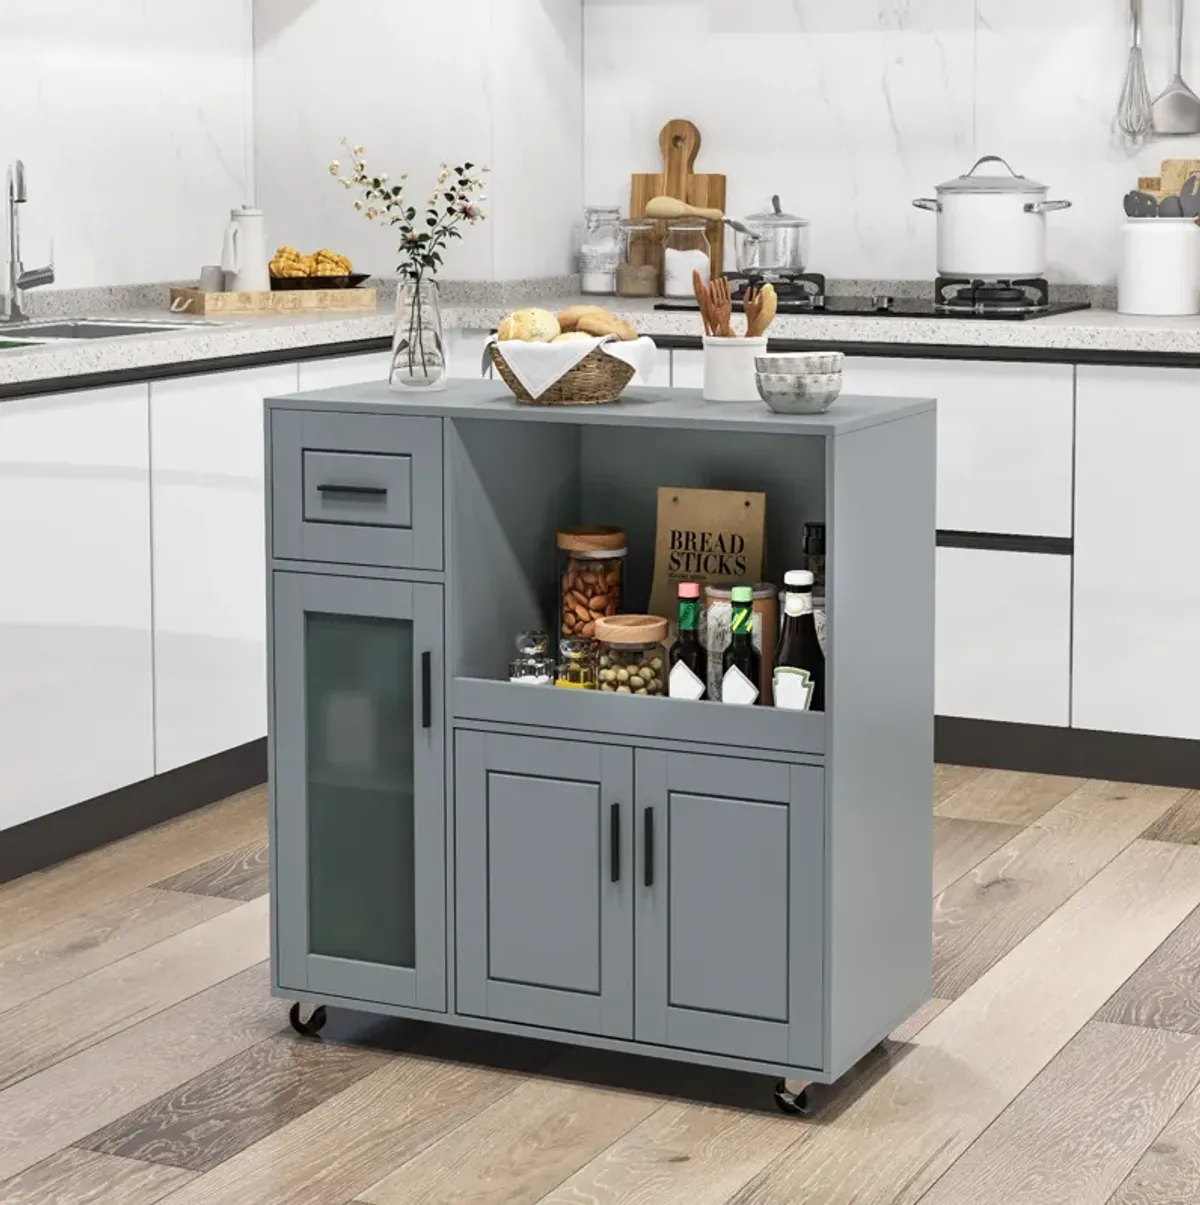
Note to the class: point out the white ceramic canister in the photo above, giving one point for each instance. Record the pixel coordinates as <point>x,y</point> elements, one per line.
<point>991,226</point>
<point>729,368</point>
<point>244,256</point>
<point>1160,267</point>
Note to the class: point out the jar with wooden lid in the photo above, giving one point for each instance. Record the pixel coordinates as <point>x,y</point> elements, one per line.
<point>633,655</point>
<point>641,253</point>
<point>590,572</point>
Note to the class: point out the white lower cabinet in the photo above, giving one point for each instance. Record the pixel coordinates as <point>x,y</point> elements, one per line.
<point>1005,433</point>
<point>1137,573</point>
<point>206,452</point>
<point>76,684</point>
<point>343,370</point>
<point>687,369</point>
<point>1003,636</point>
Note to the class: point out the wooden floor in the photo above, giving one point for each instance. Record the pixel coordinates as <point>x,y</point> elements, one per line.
<point>142,1059</point>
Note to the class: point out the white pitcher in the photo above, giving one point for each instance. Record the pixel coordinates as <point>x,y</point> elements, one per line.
<point>244,255</point>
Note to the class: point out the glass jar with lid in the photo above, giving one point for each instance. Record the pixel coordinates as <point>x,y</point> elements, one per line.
<point>686,251</point>
<point>591,572</point>
<point>577,664</point>
<point>600,249</point>
<point>633,655</point>
<point>533,665</point>
<point>638,271</point>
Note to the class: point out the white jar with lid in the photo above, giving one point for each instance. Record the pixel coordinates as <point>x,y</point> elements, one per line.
<point>1160,267</point>
<point>600,249</point>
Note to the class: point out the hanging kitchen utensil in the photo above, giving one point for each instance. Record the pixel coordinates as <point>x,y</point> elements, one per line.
<point>1133,112</point>
<point>1176,110</point>
<point>1140,205</point>
<point>1189,197</point>
<point>1169,207</point>
<point>680,144</point>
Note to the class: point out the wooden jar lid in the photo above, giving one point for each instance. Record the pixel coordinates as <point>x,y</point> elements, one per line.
<point>591,539</point>
<point>632,629</point>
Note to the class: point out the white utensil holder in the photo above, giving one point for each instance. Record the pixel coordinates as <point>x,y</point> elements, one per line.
<point>729,368</point>
<point>1160,267</point>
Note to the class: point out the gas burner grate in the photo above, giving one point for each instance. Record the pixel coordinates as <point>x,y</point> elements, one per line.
<point>991,296</point>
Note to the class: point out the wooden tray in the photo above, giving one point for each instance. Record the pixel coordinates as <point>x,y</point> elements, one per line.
<point>194,301</point>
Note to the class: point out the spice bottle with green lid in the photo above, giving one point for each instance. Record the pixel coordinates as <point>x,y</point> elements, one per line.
<point>688,678</point>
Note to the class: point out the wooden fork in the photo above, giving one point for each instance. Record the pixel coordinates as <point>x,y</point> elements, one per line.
<point>722,307</point>
<point>701,291</point>
<point>752,303</point>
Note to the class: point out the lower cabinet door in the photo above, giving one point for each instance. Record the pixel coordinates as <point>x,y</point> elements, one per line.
<point>544,882</point>
<point>730,907</point>
<point>357,789</point>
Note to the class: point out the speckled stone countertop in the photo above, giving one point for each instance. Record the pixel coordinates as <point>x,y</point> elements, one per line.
<point>198,340</point>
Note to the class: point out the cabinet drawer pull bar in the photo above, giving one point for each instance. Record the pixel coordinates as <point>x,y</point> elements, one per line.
<point>357,491</point>
<point>648,852</point>
<point>614,842</point>
<point>426,690</point>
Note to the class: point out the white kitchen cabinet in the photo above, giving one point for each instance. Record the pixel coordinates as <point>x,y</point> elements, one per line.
<point>1137,575</point>
<point>1003,636</point>
<point>1005,435</point>
<point>465,353</point>
<point>687,369</point>
<point>206,453</point>
<point>343,370</point>
<point>76,679</point>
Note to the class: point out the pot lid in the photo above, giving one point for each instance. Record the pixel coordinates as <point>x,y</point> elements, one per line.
<point>995,181</point>
<point>776,217</point>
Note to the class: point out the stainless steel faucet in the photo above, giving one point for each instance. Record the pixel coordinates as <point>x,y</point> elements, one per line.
<point>18,278</point>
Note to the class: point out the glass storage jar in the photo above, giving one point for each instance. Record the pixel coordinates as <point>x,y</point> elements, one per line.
<point>600,249</point>
<point>633,655</point>
<point>715,634</point>
<point>686,250</point>
<point>533,665</point>
<point>638,271</point>
<point>591,571</point>
<point>577,664</point>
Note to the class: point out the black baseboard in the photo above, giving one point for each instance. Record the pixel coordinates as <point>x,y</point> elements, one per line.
<point>1083,753</point>
<point>75,830</point>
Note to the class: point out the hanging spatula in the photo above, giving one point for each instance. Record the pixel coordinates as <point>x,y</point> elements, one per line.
<point>1177,109</point>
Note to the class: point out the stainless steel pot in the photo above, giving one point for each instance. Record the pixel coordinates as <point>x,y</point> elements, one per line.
<point>991,227</point>
<point>777,242</point>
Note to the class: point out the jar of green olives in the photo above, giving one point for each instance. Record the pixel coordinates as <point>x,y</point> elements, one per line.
<point>633,655</point>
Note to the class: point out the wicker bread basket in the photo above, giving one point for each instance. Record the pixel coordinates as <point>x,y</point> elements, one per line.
<point>596,379</point>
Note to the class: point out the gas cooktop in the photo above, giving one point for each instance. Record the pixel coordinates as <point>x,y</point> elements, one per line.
<point>1004,300</point>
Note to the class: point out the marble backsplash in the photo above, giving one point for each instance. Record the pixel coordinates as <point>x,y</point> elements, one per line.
<point>849,110</point>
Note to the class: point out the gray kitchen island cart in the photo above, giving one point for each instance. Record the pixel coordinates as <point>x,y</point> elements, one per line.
<point>746,887</point>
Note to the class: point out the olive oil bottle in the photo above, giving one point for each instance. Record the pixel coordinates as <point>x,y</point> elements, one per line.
<point>741,665</point>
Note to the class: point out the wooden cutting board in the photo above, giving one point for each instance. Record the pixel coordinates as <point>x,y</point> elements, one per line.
<point>193,301</point>
<point>1175,172</point>
<point>680,143</point>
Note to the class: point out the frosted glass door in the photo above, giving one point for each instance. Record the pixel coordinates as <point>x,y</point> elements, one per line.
<point>358,800</point>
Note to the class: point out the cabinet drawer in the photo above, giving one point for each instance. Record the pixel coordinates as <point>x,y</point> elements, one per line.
<point>357,489</point>
<point>1005,439</point>
<point>1003,636</point>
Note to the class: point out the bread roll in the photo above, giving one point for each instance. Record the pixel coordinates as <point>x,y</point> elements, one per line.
<point>606,324</point>
<point>530,326</point>
<point>569,318</point>
<point>571,337</point>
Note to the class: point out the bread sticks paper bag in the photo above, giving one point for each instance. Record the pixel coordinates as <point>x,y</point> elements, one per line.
<point>706,536</point>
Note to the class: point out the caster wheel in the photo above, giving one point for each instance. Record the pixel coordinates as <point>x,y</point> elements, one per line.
<point>314,1024</point>
<point>795,1103</point>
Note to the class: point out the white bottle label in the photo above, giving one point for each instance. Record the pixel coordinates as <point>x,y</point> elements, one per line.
<point>793,688</point>
<point>797,604</point>
<point>683,683</point>
<point>737,688</point>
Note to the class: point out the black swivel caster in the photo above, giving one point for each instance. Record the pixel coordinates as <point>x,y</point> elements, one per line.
<point>797,1104</point>
<point>314,1024</point>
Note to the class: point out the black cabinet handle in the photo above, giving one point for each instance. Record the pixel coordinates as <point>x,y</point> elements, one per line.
<point>426,690</point>
<point>357,491</point>
<point>614,842</point>
<point>648,851</point>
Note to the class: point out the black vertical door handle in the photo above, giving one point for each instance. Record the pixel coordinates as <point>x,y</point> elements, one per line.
<point>614,843</point>
<point>426,690</point>
<point>648,852</point>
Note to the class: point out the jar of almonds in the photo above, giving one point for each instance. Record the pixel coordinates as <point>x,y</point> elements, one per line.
<point>591,568</point>
<point>633,655</point>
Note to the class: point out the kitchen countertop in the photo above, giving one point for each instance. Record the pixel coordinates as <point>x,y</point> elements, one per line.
<point>1088,332</point>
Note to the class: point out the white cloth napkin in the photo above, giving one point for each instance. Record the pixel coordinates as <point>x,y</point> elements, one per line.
<point>538,365</point>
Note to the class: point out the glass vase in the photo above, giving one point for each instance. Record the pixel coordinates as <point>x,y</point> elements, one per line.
<point>418,347</point>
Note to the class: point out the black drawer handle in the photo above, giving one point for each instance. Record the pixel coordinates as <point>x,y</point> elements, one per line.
<point>614,842</point>
<point>648,851</point>
<point>426,690</point>
<point>356,491</point>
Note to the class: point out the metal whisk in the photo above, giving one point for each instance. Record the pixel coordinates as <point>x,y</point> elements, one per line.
<point>1134,118</point>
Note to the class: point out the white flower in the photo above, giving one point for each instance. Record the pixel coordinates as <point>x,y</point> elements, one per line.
<point>347,183</point>
<point>358,205</point>
<point>360,166</point>
<point>383,177</point>
<point>334,168</point>
<point>360,151</point>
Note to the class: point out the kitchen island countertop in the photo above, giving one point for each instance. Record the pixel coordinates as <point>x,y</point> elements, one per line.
<point>225,342</point>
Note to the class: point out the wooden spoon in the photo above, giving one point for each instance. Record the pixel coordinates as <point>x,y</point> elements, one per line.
<point>671,207</point>
<point>768,306</point>
<point>701,291</point>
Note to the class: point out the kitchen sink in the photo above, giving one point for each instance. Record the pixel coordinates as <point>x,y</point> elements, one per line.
<point>93,329</point>
<point>7,343</point>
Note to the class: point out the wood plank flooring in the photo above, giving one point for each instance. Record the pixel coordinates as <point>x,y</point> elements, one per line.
<point>142,1058</point>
